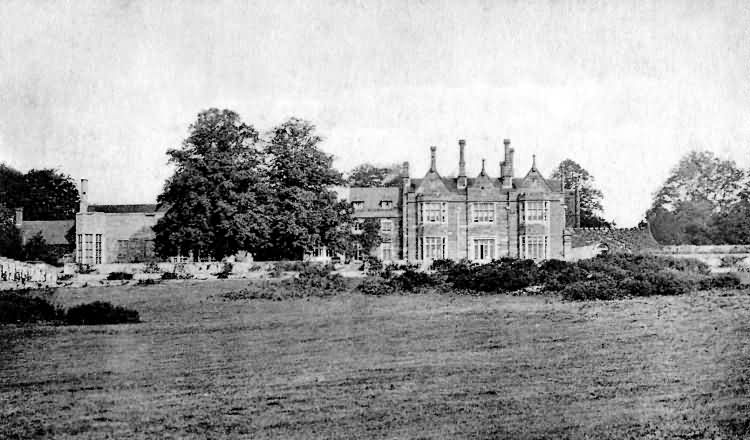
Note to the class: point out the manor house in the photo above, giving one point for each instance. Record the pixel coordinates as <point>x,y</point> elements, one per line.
<point>480,218</point>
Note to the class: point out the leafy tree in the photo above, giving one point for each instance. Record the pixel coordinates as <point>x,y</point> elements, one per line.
<point>36,248</point>
<point>44,194</point>
<point>217,197</point>
<point>590,197</point>
<point>732,225</point>
<point>304,211</point>
<point>368,175</point>
<point>10,237</point>
<point>699,201</point>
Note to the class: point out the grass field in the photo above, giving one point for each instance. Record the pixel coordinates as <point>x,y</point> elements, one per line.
<point>381,367</point>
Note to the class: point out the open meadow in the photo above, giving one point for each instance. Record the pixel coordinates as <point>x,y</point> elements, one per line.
<point>354,366</point>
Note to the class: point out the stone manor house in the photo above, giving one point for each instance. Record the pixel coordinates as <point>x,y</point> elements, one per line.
<point>479,218</point>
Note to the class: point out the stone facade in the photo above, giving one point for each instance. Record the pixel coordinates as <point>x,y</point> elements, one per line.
<point>481,218</point>
<point>114,233</point>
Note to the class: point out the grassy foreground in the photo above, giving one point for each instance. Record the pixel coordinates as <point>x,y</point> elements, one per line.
<point>353,366</point>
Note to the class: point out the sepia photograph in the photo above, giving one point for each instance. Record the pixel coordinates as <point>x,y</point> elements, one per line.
<point>375,219</point>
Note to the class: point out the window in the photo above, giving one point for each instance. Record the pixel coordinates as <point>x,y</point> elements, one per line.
<point>79,257</point>
<point>358,205</point>
<point>534,247</point>
<point>98,249</point>
<point>484,249</point>
<point>433,248</point>
<point>535,211</point>
<point>386,226</point>
<point>386,204</point>
<point>386,252</point>
<point>358,251</point>
<point>88,250</point>
<point>357,226</point>
<point>433,212</point>
<point>483,212</point>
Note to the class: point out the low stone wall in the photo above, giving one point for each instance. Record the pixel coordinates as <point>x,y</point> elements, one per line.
<point>17,274</point>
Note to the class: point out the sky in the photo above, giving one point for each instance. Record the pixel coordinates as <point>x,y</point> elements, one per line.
<point>101,90</point>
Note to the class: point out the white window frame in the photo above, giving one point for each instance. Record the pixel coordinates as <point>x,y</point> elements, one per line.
<point>386,204</point>
<point>535,211</point>
<point>534,247</point>
<point>433,212</point>
<point>358,205</point>
<point>386,230</point>
<point>98,245</point>
<point>88,250</point>
<point>386,248</point>
<point>357,226</point>
<point>489,242</point>
<point>433,248</point>
<point>483,212</point>
<point>79,251</point>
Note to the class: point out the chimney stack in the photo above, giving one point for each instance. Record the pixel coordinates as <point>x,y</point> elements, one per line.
<point>506,167</point>
<point>433,149</point>
<point>19,217</point>
<point>84,196</point>
<point>461,164</point>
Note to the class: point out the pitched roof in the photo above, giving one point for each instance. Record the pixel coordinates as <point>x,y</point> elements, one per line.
<point>53,231</point>
<point>123,209</point>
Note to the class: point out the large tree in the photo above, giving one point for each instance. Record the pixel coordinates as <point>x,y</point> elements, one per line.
<point>216,199</point>
<point>305,211</point>
<point>700,202</point>
<point>591,197</point>
<point>368,175</point>
<point>10,237</point>
<point>44,194</point>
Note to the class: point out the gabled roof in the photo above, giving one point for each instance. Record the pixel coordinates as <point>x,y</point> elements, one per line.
<point>124,209</point>
<point>372,196</point>
<point>53,231</point>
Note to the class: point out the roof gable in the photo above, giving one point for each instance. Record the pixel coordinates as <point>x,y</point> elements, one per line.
<point>432,184</point>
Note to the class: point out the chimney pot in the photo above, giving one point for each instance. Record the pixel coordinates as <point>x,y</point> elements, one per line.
<point>84,196</point>
<point>433,149</point>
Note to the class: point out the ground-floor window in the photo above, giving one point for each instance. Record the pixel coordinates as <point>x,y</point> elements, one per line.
<point>79,249</point>
<point>534,247</point>
<point>88,250</point>
<point>484,249</point>
<point>386,252</point>
<point>98,249</point>
<point>358,252</point>
<point>433,248</point>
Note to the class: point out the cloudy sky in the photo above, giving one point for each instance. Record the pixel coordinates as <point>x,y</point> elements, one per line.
<point>101,90</point>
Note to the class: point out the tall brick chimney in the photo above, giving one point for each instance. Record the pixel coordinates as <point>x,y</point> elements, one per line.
<point>506,166</point>
<point>433,168</point>
<point>405,174</point>
<point>84,196</point>
<point>461,164</point>
<point>19,217</point>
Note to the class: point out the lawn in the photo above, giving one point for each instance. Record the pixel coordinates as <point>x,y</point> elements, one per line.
<point>421,366</point>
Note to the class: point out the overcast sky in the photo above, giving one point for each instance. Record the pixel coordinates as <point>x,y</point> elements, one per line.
<point>101,90</point>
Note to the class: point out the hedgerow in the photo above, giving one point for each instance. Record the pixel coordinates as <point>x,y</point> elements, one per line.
<point>27,307</point>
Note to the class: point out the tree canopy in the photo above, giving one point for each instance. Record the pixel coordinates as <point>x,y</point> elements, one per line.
<point>591,197</point>
<point>44,194</point>
<point>235,190</point>
<point>701,202</point>
<point>368,175</point>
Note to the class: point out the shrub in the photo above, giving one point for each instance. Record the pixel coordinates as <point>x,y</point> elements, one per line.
<point>119,276</point>
<point>720,281</point>
<point>65,277</point>
<point>603,288</point>
<point>375,286</point>
<point>730,260</point>
<point>21,307</point>
<point>99,313</point>
<point>411,280</point>
<point>84,268</point>
<point>226,270</point>
<point>151,267</point>
<point>147,282</point>
<point>176,276</point>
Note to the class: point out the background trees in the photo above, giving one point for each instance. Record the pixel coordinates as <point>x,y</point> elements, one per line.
<point>233,190</point>
<point>44,194</point>
<point>368,175</point>
<point>703,201</point>
<point>590,196</point>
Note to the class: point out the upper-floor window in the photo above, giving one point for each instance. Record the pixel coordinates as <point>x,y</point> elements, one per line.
<point>434,212</point>
<point>386,204</point>
<point>536,210</point>
<point>483,212</point>
<point>358,205</point>
<point>386,226</point>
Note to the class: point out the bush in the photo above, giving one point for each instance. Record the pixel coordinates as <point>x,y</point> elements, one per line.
<point>151,267</point>
<point>21,307</point>
<point>147,282</point>
<point>65,277</point>
<point>730,260</point>
<point>112,276</point>
<point>376,286</point>
<point>176,276</point>
<point>84,268</point>
<point>226,270</point>
<point>720,281</point>
<point>411,280</point>
<point>100,313</point>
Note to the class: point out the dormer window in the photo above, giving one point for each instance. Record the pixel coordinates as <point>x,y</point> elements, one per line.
<point>386,204</point>
<point>358,205</point>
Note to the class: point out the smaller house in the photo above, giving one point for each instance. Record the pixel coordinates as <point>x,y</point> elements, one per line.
<point>52,231</point>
